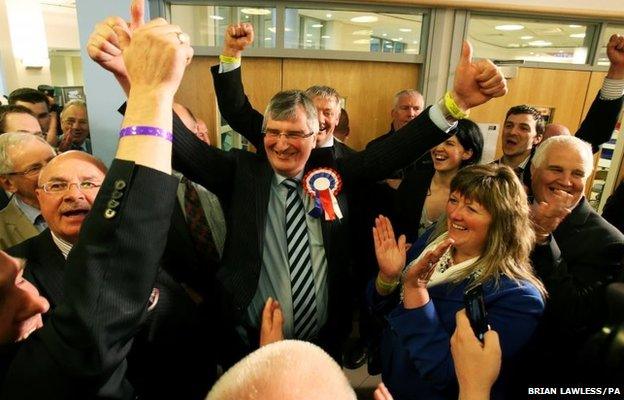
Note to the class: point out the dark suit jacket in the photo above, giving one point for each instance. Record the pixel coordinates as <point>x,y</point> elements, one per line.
<point>242,181</point>
<point>4,199</point>
<point>81,351</point>
<point>582,257</point>
<point>613,210</point>
<point>410,200</point>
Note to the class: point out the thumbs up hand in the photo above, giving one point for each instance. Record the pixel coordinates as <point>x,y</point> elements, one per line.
<point>476,82</point>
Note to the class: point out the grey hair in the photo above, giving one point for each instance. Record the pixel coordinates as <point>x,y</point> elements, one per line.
<point>287,369</point>
<point>73,103</point>
<point>324,92</point>
<point>12,140</point>
<point>405,92</point>
<point>283,107</point>
<point>584,149</point>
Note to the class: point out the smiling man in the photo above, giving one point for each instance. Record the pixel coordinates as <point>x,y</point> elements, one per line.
<point>75,126</point>
<point>578,254</point>
<point>22,156</point>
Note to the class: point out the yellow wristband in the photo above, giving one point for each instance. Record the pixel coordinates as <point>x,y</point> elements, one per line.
<point>229,60</point>
<point>453,108</point>
<point>385,287</point>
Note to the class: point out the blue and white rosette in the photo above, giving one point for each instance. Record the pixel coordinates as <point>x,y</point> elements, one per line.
<point>324,184</point>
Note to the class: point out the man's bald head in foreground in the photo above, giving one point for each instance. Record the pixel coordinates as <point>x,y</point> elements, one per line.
<point>285,370</point>
<point>555,130</point>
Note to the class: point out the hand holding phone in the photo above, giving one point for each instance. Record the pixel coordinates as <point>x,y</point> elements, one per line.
<point>475,309</point>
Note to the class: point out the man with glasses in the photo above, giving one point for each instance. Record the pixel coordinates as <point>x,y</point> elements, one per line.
<point>75,126</point>
<point>22,156</point>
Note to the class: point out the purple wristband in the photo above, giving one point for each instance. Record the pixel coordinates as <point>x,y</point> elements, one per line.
<point>146,131</point>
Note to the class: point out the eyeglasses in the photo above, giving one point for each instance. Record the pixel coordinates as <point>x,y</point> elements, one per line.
<point>58,187</point>
<point>290,136</point>
<point>31,171</point>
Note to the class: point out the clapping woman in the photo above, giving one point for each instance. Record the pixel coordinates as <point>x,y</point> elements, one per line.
<point>485,240</point>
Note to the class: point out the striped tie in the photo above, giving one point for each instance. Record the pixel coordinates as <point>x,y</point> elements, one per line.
<point>300,262</point>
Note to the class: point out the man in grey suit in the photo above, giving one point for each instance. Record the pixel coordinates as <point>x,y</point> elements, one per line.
<point>22,156</point>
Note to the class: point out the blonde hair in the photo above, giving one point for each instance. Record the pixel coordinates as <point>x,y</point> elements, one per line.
<point>510,237</point>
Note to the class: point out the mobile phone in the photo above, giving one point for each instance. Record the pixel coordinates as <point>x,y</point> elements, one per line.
<point>475,309</point>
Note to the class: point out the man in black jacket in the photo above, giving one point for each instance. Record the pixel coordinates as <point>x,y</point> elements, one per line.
<point>81,350</point>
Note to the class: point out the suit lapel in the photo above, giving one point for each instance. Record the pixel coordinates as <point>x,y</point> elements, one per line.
<point>47,266</point>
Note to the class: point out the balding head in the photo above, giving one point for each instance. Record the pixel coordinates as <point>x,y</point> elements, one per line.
<point>67,189</point>
<point>555,130</point>
<point>285,370</point>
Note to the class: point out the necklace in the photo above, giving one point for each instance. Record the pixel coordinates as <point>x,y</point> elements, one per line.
<point>446,261</point>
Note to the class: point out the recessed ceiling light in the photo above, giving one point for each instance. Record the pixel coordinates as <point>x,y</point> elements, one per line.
<point>415,42</point>
<point>531,53</point>
<point>308,34</point>
<point>365,18</point>
<point>361,41</point>
<point>509,27</point>
<point>398,39</point>
<point>526,37</point>
<point>317,26</point>
<point>255,11</point>
<point>325,37</point>
<point>384,34</point>
<point>362,32</point>
<point>577,35</point>
<point>575,26</point>
<point>328,15</point>
<point>540,43</point>
<point>217,17</point>
<point>308,41</point>
<point>271,29</point>
<point>513,45</point>
<point>267,38</point>
<point>405,29</point>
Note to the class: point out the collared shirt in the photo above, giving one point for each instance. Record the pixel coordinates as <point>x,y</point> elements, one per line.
<point>519,170</point>
<point>32,214</point>
<point>63,245</point>
<point>329,142</point>
<point>274,278</point>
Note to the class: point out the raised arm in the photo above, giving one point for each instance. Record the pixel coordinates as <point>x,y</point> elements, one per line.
<point>80,352</point>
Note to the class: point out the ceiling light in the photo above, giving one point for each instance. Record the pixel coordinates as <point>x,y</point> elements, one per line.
<point>577,35</point>
<point>325,37</point>
<point>217,17</point>
<point>287,30</point>
<point>365,19</point>
<point>405,29</point>
<point>361,41</point>
<point>513,45</point>
<point>397,39</point>
<point>317,26</point>
<point>328,15</point>
<point>540,43</point>
<point>575,26</point>
<point>509,27</point>
<point>526,37</point>
<point>267,38</point>
<point>362,32</point>
<point>308,41</point>
<point>271,29</point>
<point>255,11</point>
<point>384,34</point>
<point>415,42</point>
<point>308,34</point>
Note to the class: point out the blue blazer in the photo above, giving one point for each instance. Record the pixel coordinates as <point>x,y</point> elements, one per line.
<point>415,348</point>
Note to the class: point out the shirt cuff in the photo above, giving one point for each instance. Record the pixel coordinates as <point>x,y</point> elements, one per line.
<point>228,67</point>
<point>437,117</point>
<point>612,89</point>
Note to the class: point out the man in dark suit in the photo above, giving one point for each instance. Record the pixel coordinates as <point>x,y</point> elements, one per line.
<point>243,118</point>
<point>578,254</point>
<point>81,350</point>
<point>255,250</point>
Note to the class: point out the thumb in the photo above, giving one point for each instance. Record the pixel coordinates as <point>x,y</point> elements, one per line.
<point>137,14</point>
<point>123,35</point>
<point>466,54</point>
<point>491,342</point>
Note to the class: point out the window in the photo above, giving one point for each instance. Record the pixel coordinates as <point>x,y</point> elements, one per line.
<point>206,24</point>
<point>531,39</point>
<point>353,31</point>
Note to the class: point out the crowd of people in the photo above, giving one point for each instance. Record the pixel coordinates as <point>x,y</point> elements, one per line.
<point>184,271</point>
